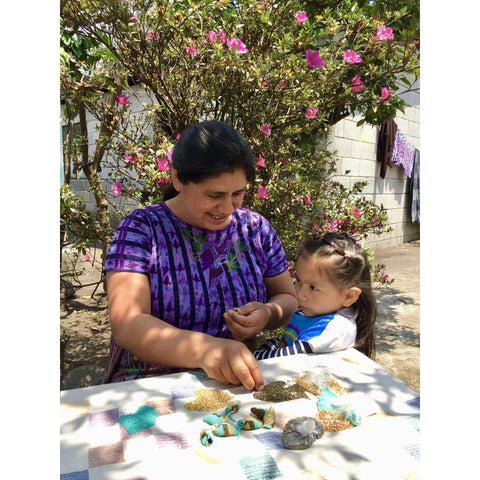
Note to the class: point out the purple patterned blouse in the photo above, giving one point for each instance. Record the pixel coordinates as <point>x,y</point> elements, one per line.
<point>195,275</point>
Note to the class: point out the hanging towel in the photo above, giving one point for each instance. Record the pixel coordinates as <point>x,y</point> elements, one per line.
<point>386,141</point>
<point>415,188</point>
<point>403,152</point>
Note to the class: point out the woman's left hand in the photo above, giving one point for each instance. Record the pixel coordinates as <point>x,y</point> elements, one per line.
<point>247,320</point>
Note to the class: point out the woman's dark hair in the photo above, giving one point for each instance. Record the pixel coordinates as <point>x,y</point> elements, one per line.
<point>347,266</point>
<point>208,149</point>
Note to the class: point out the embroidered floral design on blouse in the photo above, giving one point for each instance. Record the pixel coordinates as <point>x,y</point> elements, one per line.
<point>213,256</point>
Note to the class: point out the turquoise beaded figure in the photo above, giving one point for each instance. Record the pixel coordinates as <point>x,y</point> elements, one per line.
<point>221,428</point>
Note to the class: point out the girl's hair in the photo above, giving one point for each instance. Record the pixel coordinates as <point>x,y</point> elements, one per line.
<point>208,149</point>
<point>347,266</point>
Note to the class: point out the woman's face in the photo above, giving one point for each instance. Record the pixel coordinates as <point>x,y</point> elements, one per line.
<point>210,203</point>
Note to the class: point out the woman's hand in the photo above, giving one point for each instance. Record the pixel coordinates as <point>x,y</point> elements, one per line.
<point>230,361</point>
<point>248,320</point>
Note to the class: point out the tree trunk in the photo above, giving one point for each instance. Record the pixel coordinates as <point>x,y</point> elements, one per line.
<point>91,166</point>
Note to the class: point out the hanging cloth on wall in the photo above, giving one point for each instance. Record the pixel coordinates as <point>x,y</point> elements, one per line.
<point>403,152</point>
<point>415,188</point>
<point>386,141</point>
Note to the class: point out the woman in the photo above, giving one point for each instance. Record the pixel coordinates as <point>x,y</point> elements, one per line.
<point>177,270</point>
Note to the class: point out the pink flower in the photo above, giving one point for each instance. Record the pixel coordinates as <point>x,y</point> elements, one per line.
<point>301,17</point>
<point>87,256</point>
<point>162,164</point>
<point>384,276</point>
<point>193,51</point>
<point>123,100</point>
<point>351,57</point>
<point>385,93</point>
<point>384,33</point>
<point>261,162</point>
<point>311,112</point>
<point>357,85</point>
<point>133,158</point>
<point>152,34</point>
<point>266,129</point>
<point>314,59</point>
<point>212,37</point>
<point>335,224</point>
<point>236,42</point>
<point>308,201</point>
<point>117,188</point>
<point>169,155</point>
<point>356,212</point>
<point>222,36</point>
<point>264,84</point>
<point>262,192</point>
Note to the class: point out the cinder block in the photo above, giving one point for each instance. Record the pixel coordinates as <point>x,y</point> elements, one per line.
<point>413,133</point>
<point>352,164</point>
<point>343,147</point>
<point>351,130</point>
<point>367,168</point>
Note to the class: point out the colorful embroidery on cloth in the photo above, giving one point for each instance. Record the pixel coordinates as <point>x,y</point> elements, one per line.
<point>213,256</point>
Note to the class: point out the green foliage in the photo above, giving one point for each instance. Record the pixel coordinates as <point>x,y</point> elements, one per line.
<point>79,225</point>
<point>180,67</point>
<point>75,220</point>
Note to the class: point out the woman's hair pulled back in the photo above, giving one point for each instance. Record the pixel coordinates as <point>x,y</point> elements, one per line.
<point>347,265</point>
<point>208,149</point>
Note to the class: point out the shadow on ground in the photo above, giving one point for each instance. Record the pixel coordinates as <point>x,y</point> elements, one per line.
<point>391,304</point>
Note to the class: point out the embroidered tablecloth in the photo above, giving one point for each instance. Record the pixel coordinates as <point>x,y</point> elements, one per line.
<point>95,445</point>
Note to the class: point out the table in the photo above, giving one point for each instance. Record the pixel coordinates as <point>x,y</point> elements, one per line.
<point>96,446</point>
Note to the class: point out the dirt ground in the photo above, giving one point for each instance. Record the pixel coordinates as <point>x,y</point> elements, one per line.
<point>85,330</point>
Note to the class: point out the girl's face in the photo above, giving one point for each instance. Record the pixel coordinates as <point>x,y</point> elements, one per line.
<point>209,204</point>
<point>316,295</point>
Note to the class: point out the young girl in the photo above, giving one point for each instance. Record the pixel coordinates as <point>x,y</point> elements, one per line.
<point>337,308</point>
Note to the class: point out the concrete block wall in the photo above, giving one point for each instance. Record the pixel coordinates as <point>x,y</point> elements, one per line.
<point>355,149</point>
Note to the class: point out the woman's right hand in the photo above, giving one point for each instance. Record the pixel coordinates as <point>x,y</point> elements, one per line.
<point>230,361</point>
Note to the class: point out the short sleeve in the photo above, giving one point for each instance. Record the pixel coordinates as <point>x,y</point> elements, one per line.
<point>339,334</point>
<point>131,247</point>
<point>275,256</point>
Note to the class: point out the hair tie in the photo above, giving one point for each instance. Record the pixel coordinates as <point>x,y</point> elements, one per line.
<point>333,244</point>
<point>345,256</point>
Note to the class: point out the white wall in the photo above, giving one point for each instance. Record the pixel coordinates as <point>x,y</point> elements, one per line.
<point>356,148</point>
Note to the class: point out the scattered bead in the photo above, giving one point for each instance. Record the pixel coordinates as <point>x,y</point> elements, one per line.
<point>333,422</point>
<point>208,400</point>
<point>280,392</point>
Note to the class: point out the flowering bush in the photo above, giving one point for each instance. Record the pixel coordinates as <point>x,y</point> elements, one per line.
<point>282,73</point>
